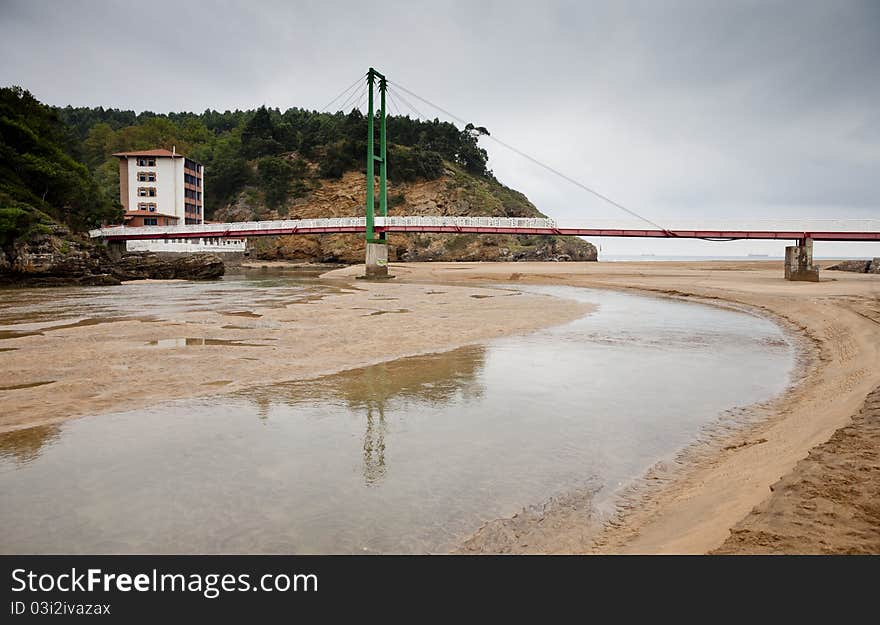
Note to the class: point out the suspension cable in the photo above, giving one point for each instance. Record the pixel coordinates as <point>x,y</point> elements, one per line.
<point>347,89</point>
<point>408,104</point>
<point>539,163</point>
<point>362,99</point>
<point>353,98</point>
<point>393,103</point>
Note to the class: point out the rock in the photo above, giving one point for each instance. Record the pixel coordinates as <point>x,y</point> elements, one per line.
<point>54,258</point>
<point>198,267</point>
<point>141,266</point>
<point>102,279</point>
<point>856,266</point>
<point>60,258</point>
<point>151,266</point>
<point>875,266</point>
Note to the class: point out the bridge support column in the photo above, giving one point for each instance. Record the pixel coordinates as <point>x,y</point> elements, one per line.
<point>377,261</point>
<point>799,262</point>
<point>377,248</point>
<point>115,249</point>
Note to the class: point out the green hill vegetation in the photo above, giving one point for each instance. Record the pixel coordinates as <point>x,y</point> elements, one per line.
<point>42,181</point>
<point>242,149</point>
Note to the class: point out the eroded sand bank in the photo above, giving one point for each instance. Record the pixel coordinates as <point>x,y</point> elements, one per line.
<point>690,508</point>
<point>118,365</point>
<point>830,501</point>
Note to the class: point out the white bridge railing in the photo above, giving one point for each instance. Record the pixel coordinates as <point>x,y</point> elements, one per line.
<point>467,222</point>
<point>330,224</point>
<point>232,227</point>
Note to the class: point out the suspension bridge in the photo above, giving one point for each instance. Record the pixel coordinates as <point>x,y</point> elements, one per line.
<point>376,226</point>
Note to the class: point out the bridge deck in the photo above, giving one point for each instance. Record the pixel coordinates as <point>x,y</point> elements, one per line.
<point>817,229</point>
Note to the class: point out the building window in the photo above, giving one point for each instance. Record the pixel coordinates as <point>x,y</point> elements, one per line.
<point>146,191</point>
<point>151,221</point>
<point>145,206</point>
<point>146,176</point>
<point>146,162</point>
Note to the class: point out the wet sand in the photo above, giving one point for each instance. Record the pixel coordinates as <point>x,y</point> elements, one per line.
<point>691,504</point>
<point>685,506</point>
<point>99,365</point>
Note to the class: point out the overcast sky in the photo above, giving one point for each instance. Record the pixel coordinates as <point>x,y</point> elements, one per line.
<point>676,109</point>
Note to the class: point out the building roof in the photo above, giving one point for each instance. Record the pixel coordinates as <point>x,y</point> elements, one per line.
<point>159,152</point>
<point>142,213</point>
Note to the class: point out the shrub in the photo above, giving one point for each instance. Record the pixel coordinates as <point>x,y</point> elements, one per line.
<point>275,175</point>
<point>410,164</point>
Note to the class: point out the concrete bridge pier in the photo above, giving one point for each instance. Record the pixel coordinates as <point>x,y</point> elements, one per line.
<point>377,261</point>
<point>799,262</point>
<point>116,249</point>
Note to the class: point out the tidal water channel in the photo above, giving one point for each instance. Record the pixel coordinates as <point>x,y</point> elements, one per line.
<point>409,456</point>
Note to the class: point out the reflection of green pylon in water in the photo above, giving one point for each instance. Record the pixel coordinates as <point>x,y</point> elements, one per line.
<point>372,157</point>
<point>374,447</point>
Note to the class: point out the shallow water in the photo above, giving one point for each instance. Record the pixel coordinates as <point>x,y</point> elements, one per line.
<point>33,311</point>
<point>407,456</point>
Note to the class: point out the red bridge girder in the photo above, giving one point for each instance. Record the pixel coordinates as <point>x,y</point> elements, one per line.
<point>582,232</point>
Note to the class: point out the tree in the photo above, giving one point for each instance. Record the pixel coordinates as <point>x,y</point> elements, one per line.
<point>96,147</point>
<point>226,172</point>
<point>258,137</point>
<point>409,164</point>
<point>470,155</point>
<point>160,132</point>
<point>37,171</point>
<point>276,174</point>
<point>228,143</point>
<point>337,160</point>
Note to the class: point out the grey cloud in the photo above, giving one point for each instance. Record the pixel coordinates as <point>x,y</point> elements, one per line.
<point>679,108</point>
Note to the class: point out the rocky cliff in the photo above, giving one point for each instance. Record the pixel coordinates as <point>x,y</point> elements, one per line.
<point>455,193</point>
<point>57,257</point>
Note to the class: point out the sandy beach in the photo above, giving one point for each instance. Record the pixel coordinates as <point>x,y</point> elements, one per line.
<point>691,507</point>
<point>688,506</point>
<point>85,368</point>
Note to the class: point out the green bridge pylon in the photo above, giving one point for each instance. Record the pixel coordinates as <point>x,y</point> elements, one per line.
<point>377,248</point>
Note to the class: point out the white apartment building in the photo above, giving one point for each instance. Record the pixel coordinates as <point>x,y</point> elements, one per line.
<point>160,188</point>
<point>163,188</point>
